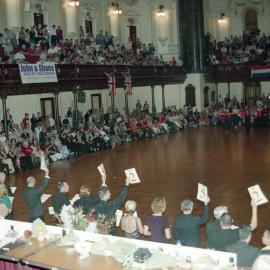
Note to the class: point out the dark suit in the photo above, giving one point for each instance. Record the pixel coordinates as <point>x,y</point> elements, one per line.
<point>186,228</point>
<point>87,203</point>
<point>32,197</point>
<point>108,208</point>
<point>211,228</point>
<point>59,200</point>
<point>246,254</point>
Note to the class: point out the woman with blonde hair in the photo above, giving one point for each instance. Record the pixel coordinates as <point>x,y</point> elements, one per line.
<point>130,223</point>
<point>157,226</point>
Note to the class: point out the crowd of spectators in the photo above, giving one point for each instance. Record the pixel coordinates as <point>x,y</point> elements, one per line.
<point>97,130</point>
<point>237,49</point>
<point>42,44</point>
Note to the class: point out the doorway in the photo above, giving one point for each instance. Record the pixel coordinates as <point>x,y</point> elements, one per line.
<point>38,19</point>
<point>190,96</point>
<point>96,101</point>
<point>251,21</point>
<point>133,33</point>
<point>89,27</point>
<point>47,106</point>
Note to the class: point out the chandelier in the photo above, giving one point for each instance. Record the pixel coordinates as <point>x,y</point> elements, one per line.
<point>116,9</point>
<point>74,3</point>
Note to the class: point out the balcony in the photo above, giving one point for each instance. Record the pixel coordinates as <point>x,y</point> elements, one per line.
<point>233,73</point>
<point>89,77</point>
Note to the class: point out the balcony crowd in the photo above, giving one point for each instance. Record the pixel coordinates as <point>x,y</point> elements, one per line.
<point>39,43</point>
<point>238,49</point>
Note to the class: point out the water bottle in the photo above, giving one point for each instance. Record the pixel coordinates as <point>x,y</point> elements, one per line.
<point>178,254</point>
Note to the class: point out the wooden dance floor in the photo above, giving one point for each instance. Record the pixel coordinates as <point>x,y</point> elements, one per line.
<point>228,162</point>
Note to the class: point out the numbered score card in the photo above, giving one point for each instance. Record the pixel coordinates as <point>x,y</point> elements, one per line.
<point>101,170</point>
<point>133,176</point>
<point>257,194</point>
<point>202,192</point>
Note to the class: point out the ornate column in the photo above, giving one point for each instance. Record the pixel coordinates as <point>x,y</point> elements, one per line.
<point>216,92</point>
<point>153,99</point>
<point>126,105</point>
<point>229,89</point>
<point>71,24</point>
<point>56,105</point>
<point>113,105</point>
<point>4,108</point>
<point>163,97</point>
<point>13,13</point>
<point>191,33</point>
<point>75,94</point>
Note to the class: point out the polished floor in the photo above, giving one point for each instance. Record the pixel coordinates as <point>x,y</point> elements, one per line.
<point>228,162</point>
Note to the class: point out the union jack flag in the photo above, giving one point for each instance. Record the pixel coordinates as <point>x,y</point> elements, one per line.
<point>111,83</point>
<point>127,83</point>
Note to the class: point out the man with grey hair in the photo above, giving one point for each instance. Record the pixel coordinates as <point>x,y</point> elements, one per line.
<point>246,253</point>
<point>225,235</point>
<point>186,228</point>
<point>107,207</point>
<point>32,196</point>
<point>212,226</point>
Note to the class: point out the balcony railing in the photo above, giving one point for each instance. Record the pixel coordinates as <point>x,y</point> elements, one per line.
<point>233,73</point>
<point>89,77</point>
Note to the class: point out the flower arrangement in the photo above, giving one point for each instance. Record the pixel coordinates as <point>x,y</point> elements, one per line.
<point>73,218</point>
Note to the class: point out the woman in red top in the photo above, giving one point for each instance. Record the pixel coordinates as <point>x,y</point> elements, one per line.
<point>59,33</point>
<point>26,156</point>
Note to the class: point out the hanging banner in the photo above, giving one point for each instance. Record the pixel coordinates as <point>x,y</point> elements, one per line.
<point>38,73</point>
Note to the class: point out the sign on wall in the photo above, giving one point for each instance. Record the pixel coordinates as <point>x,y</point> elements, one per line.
<point>38,73</point>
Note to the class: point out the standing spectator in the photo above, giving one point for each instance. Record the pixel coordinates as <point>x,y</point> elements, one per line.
<point>53,36</point>
<point>186,228</point>
<point>25,121</point>
<point>59,33</point>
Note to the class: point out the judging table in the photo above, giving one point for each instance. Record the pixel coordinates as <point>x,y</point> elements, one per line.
<point>49,255</point>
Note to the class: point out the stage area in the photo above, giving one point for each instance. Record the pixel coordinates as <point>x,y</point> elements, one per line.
<point>171,166</point>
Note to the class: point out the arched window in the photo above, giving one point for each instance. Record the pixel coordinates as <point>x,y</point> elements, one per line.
<point>190,96</point>
<point>251,21</point>
<point>206,96</point>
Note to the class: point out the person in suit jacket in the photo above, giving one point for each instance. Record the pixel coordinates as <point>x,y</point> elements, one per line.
<point>60,199</point>
<point>246,253</point>
<point>186,227</point>
<point>32,196</point>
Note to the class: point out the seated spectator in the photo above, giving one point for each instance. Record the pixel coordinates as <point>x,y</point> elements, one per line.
<point>86,201</point>
<point>60,199</point>
<point>130,223</point>
<point>246,253</point>
<point>186,228</point>
<point>6,160</point>
<point>4,199</point>
<point>14,154</point>
<point>157,226</point>
<point>26,156</point>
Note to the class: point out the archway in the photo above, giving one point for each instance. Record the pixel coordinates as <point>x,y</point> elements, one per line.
<point>190,95</point>
<point>251,21</point>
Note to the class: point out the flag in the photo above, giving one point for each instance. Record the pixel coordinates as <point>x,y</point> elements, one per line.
<point>127,83</point>
<point>111,83</point>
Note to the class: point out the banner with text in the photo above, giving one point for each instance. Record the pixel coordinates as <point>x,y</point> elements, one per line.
<point>38,73</point>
